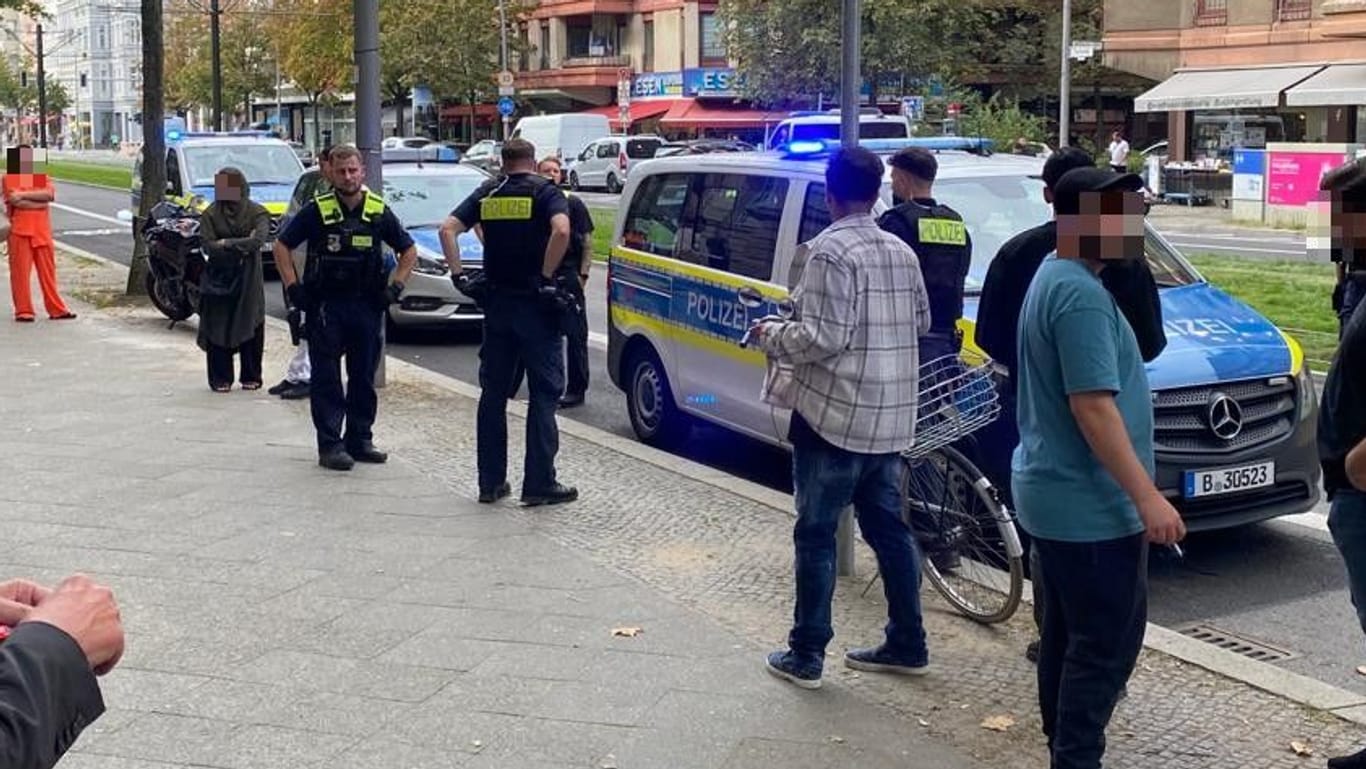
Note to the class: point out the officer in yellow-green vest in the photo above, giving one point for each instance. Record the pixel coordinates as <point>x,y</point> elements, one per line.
<point>345,292</point>
<point>940,240</point>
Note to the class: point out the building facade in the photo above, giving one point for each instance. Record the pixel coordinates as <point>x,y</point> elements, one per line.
<point>95,51</point>
<point>1244,73</point>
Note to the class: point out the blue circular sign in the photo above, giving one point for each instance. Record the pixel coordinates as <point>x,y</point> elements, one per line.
<point>506,106</point>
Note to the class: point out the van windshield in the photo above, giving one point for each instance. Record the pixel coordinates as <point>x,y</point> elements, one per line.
<point>260,163</point>
<point>868,129</point>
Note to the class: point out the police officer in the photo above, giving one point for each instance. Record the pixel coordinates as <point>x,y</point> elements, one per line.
<point>937,235</point>
<point>1348,258</point>
<point>526,232</point>
<point>577,259</point>
<point>345,291</point>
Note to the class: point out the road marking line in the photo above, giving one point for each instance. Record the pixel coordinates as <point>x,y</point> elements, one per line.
<point>1310,520</point>
<point>91,214</point>
<point>1217,247</point>
<point>87,233</point>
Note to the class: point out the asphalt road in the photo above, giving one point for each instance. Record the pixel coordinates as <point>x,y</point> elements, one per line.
<point>1279,583</point>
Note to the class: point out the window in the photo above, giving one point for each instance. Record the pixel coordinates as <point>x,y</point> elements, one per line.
<point>545,47</point>
<point>1294,10</point>
<point>641,149</point>
<point>815,214</point>
<point>1211,13</point>
<point>647,59</point>
<point>656,214</point>
<point>737,220</point>
<point>607,150</point>
<point>712,49</point>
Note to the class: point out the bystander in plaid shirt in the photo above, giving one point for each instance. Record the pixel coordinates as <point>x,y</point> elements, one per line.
<point>854,341</point>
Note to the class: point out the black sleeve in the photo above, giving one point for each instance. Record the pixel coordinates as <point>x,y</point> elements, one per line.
<point>998,308</point>
<point>580,221</point>
<point>392,233</point>
<point>1135,291</point>
<point>304,223</point>
<point>551,201</point>
<point>468,210</point>
<point>895,223</point>
<point>47,696</point>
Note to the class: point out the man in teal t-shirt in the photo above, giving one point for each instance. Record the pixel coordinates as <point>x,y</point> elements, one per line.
<point>1082,474</point>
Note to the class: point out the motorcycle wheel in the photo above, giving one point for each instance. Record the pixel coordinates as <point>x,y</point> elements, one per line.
<point>172,304</point>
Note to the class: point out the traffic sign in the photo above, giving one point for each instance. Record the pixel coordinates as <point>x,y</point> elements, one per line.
<point>913,108</point>
<point>506,106</point>
<point>1082,50</point>
<point>506,90</point>
<point>506,79</point>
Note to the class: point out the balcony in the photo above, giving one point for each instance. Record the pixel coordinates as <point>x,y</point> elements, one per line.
<point>615,62</point>
<point>1294,10</point>
<point>1211,13</point>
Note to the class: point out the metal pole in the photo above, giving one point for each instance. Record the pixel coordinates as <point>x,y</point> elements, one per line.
<point>279,107</point>
<point>503,53</point>
<point>1065,81</point>
<point>217,65</point>
<point>42,92</point>
<point>369,118</point>
<point>849,74</point>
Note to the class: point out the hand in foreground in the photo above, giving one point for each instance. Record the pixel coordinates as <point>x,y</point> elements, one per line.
<point>1163,523</point>
<point>86,612</point>
<point>17,599</point>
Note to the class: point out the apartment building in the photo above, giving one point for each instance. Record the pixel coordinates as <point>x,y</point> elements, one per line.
<point>95,51</point>
<point>1242,73</point>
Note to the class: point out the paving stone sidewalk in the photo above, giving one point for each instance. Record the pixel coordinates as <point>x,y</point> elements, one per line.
<point>269,622</point>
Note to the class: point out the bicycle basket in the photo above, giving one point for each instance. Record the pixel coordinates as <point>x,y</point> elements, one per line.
<point>955,401</point>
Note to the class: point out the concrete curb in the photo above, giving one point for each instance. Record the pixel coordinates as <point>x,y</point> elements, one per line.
<point>91,185</point>
<point>1302,690</point>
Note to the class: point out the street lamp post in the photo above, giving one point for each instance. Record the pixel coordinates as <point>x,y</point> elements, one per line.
<point>849,74</point>
<point>1065,81</point>
<point>216,65</point>
<point>42,93</point>
<point>503,54</point>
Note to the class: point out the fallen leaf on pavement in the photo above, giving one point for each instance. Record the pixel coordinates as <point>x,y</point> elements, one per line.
<point>998,723</point>
<point>923,722</point>
<point>627,632</point>
<point>837,740</point>
<point>610,762</point>
<point>1361,670</point>
<point>1301,748</point>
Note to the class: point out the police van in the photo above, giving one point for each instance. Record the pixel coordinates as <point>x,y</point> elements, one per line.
<point>701,240</point>
<point>192,159</point>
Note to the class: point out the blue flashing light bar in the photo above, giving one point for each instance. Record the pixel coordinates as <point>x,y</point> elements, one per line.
<point>811,148</point>
<point>175,134</point>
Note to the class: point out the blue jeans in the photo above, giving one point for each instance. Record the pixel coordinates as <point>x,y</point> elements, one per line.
<point>827,480</point>
<point>1347,522</point>
<point>519,329</point>
<point>1095,610</point>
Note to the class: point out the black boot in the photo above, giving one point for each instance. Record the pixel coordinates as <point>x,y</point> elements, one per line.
<point>555,495</point>
<point>1355,761</point>
<point>297,392</point>
<point>284,384</point>
<point>336,459</point>
<point>366,452</point>
<point>489,496</point>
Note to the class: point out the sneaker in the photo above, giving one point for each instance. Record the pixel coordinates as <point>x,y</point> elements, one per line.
<point>555,495</point>
<point>1032,651</point>
<point>279,389</point>
<point>784,665</point>
<point>366,452</point>
<point>297,392</point>
<point>336,459</point>
<point>880,660</point>
<point>489,497</point>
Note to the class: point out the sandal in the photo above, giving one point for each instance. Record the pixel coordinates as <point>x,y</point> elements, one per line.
<point>23,318</point>
<point>65,316</point>
<point>221,388</point>
<point>251,385</point>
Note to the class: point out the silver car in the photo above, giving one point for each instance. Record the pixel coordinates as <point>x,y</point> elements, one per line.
<point>607,162</point>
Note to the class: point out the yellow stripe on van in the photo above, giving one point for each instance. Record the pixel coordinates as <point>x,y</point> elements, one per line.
<point>1296,353</point>
<point>676,266</point>
<point>681,334</point>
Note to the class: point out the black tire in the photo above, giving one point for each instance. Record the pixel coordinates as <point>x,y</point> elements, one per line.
<point>655,417</point>
<point>613,186</point>
<point>972,551</point>
<point>172,303</point>
<point>574,181</point>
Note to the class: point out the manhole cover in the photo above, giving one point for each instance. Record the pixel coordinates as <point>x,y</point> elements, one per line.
<point>1256,650</point>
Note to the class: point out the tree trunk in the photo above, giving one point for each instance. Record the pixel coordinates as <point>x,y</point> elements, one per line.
<point>398,117</point>
<point>153,136</point>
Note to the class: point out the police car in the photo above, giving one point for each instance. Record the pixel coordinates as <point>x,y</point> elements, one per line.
<point>421,194</point>
<point>700,240</point>
<point>271,166</point>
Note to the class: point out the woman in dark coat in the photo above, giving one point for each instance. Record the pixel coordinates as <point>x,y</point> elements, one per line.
<point>232,306</point>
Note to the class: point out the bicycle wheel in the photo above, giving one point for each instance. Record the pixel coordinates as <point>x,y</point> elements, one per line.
<point>970,549</point>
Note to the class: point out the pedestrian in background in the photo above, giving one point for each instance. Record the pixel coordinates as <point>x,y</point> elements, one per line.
<point>27,196</point>
<point>1342,417</point>
<point>1083,472</point>
<point>853,346</point>
<point>232,305</point>
<point>62,639</point>
<point>1119,153</point>
<point>1349,258</point>
<point>298,374</point>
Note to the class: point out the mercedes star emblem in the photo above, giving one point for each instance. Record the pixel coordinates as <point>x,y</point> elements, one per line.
<point>1225,417</point>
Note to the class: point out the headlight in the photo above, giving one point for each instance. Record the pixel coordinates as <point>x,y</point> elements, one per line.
<point>1304,382</point>
<point>429,266</point>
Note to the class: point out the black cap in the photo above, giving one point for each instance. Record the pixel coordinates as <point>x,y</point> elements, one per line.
<point>1069,189</point>
<point>1062,161</point>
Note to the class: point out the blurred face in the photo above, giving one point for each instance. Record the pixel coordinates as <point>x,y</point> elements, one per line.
<point>903,184</point>
<point>551,170</point>
<point>1109,227</point>
<point>225,188</point>
<point>325,169</point>
<point>348,175</point>
<point>20,160</point>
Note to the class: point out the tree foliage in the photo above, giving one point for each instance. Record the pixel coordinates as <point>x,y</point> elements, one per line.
<point>315,42</point>
<point>245,55</point>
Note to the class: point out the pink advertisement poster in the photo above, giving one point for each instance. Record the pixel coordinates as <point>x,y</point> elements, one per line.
<point>1292,178</point>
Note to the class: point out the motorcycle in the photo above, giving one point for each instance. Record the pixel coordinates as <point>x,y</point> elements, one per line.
<point>175,260</point>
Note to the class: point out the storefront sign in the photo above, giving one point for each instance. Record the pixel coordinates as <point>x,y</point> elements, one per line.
<point>657,85</point>
<point>712,81</point>
<point>1293,177</point>
<point>1249,174</point>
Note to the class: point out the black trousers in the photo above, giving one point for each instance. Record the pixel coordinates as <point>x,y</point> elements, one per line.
<point>576,349</point>
<point>348,328</point>
<point>220,361</point>
<point>1095,610</point>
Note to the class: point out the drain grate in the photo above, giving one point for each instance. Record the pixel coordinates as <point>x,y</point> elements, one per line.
<point>1242,645</point>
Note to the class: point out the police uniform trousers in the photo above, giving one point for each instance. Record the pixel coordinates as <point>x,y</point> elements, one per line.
<point>575,353</point>
<point>518,328</point>
<point>350,328</point>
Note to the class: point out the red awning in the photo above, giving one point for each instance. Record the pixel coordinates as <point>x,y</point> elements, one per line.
<point>688,113</point>
<point>637,111</point>
<point>459,111</point>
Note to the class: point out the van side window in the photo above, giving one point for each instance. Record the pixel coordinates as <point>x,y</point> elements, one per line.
<point>607,150</point>
<point>815,214</point>
<point>656,214</point>
<point>736,229</point>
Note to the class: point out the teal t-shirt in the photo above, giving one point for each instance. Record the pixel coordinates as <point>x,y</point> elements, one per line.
<point>1073,339</point>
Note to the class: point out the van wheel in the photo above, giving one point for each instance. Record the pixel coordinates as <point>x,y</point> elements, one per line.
<point>650,402</point>
<point>574,181</point>
<point>613,186</point>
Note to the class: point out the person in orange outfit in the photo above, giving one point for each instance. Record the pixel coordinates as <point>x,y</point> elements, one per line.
<point>27,196</point>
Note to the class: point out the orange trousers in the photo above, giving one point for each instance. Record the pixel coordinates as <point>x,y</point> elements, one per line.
<point>25,254</point>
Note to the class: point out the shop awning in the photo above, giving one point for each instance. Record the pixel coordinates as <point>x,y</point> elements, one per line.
<point>1337,84</point>
<point>689,113</point>
<point>1207,89</point>
<point>635,112</point>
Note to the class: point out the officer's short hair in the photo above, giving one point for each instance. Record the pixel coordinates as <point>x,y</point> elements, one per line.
<point>854,175</point>
<point>916,161</point>
<point>343,152</point>
<point>518,151</point>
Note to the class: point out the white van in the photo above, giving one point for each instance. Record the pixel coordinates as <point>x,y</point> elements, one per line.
<point>564,136</point>
<point>823,126</point>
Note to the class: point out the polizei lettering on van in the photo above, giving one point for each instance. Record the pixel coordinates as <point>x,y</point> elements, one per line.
<point>716,314</point>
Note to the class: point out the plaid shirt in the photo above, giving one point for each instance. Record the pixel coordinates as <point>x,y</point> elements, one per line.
<point>854,343</point>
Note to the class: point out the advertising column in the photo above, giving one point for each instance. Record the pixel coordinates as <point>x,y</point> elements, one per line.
<point>1293,172</point>
<point>1249,184</point>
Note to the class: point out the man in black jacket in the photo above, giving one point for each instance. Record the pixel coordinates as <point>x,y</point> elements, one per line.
<point>998,315</point>
<point>62,638</point>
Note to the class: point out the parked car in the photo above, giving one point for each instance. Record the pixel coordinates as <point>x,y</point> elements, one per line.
<point>485,155</point>
<point>818,126</point>
<point>702,147</point>
<point>403,147</point>
<point>607,162</point>
<point>305,154</point>
<point>563,136</point>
